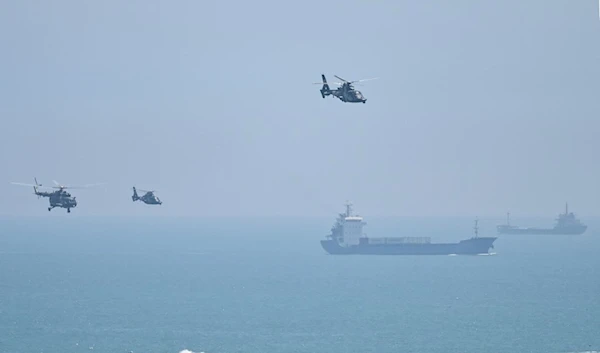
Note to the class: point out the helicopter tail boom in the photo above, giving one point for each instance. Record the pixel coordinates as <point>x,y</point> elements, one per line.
<point>325,91</point>
<point>135,196</point>
<point>35,189</point>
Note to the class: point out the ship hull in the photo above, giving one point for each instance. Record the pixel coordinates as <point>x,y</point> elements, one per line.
<point>473,246</point>
<point>542,231</point>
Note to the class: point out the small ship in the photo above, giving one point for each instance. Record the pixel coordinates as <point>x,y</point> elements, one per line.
<point>347,238</point>
<point>566,224</point>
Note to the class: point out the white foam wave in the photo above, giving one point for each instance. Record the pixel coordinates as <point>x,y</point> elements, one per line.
<point>188,351</point>
<point>487,254</point>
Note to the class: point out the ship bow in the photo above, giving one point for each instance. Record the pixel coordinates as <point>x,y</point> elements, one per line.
<point>476,246</point>
<point>332,247</point>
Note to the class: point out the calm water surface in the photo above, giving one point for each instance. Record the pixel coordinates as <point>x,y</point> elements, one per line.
<point>70,284</point>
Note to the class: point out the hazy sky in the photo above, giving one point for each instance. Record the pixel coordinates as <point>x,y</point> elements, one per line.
<point>481,106</point>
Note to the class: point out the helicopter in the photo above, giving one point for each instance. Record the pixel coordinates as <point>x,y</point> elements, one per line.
<point>59,198</point>
<point>148,198</point>
<point>346,93</point>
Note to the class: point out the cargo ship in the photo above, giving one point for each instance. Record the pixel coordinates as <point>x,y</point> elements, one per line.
<point>347,238</point>
<point>566,224</point>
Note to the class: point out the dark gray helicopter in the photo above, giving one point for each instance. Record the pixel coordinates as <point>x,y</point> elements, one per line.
<point>59,198</point>
<point>346,92</point>
<point>148,198</point>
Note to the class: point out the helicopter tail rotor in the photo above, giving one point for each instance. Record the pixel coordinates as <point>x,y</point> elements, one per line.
<point>325,90</point>
<point>135,196</point>
<point>35,191</point>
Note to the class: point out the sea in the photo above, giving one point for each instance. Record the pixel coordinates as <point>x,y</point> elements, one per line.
<point>71,284</point>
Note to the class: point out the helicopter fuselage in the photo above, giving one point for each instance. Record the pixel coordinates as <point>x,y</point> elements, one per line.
<point>350,96</point>
<point>150,199</point>
<point>60,198</point>
<point>346,93</point>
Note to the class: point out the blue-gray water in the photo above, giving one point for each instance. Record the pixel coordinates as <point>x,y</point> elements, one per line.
<point>70,284</point>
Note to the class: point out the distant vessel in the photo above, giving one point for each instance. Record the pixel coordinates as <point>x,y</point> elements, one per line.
<point>566,224</point>
<point>347,238</point>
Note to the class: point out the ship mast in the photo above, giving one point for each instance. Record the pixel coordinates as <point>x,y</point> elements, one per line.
<point>348,208</point>
<point>476,228</point>
<point>566,208</point>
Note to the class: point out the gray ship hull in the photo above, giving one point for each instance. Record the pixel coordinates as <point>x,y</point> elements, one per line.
<point>542,231</point>
<point>473,246</point>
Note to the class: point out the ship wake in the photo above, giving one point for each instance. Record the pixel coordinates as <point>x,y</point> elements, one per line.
<point>487,254</point>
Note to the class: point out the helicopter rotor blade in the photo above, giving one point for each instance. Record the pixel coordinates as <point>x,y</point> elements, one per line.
<point>329,83</point>
<point>31,185</point>
<point>77,186</point>
<point>22,184</point>
<point>339,78</point>
<point>366,79</point>
<point>92,185</point>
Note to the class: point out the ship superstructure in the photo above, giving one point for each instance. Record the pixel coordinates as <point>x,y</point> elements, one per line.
<point>347,238</point>
<point>566,224</point>
<point>348,229</point>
